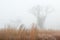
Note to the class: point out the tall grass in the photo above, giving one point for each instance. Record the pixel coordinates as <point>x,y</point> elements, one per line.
<point>26,34</point>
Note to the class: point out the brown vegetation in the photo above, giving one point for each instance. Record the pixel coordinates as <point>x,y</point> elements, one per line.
<point>32,34</point>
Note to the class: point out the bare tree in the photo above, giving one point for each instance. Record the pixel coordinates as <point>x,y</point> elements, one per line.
<point>41,13</point>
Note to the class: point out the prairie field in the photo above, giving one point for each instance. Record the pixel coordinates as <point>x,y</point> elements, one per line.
<point>29,34</point>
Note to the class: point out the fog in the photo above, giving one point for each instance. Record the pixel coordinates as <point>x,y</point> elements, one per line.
<point>53,20</point>
<point>13,10</point>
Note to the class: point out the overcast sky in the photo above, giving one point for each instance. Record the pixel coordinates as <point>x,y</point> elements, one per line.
<point>18,9</point>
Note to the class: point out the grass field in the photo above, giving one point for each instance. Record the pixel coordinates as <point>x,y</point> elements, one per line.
<point>31,34</point>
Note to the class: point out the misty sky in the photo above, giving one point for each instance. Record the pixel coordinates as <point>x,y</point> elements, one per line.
<point>12,10</point>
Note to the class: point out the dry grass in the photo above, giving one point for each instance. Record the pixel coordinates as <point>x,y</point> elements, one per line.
<point>32,34</point>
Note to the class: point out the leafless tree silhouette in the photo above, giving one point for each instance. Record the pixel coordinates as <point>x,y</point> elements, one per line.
<point>41,13</point>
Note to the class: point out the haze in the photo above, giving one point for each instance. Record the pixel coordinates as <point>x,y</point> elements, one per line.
<point>12,10</point>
